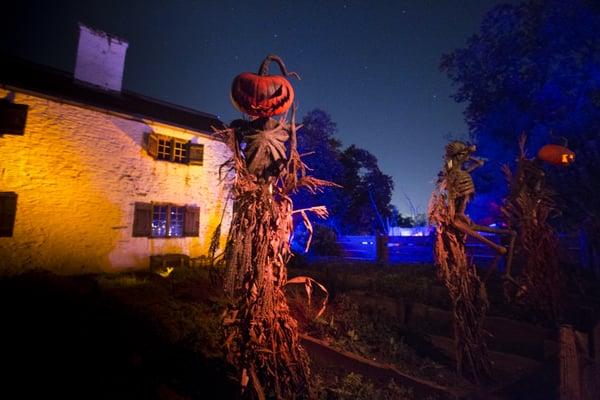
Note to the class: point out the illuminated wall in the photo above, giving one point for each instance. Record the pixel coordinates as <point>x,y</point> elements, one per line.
<point>78,172</point>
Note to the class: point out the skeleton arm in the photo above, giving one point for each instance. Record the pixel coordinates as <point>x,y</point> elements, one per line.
<point>476,163</point>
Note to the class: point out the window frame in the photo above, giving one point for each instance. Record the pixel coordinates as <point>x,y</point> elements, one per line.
<point>179,154</point>
<point>143,220</point>
<point>173,149</point>
<point>168,206</point>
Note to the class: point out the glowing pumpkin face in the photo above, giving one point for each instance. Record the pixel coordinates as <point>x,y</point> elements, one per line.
<point>263,95</point>
<point>556,155</point>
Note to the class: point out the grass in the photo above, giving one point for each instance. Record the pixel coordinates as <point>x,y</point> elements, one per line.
<point>419,284</point>
<point>388,314</point>
<point>370,331</point>
<point>121,281</point>
<point>356,387</point>
<point>140,335</point>
<point>129,336</point>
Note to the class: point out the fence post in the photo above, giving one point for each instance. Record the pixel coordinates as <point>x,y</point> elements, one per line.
<point>570,374</point>
<point>383,255</point>
<point>594,369</point>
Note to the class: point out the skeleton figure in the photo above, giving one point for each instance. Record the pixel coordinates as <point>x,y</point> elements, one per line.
<point>459,163</point>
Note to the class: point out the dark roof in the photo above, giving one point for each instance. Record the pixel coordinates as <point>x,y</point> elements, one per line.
<point>22,74</point>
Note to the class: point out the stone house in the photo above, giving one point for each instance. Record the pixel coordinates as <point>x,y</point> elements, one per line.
<point>94,178</point>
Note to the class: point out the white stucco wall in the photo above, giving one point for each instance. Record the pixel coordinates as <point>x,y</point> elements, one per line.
<point>77,174</point>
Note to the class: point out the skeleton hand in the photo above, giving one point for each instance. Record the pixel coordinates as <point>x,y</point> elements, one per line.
<point>478,161</point>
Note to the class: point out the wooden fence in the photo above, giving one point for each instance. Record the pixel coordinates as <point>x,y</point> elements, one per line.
<point>400,249</point>
<point>419,249</point>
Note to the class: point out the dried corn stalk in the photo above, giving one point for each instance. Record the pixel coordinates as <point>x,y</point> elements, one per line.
<point>466,290</point>
<point>308,288</point>
<point>261,336</point>
<point>528,210</point>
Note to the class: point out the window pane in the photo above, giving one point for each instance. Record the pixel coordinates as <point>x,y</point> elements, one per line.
<point>176,228</point>
<point>164,149</point>
<point>159,221</point>
<point>180,152</point>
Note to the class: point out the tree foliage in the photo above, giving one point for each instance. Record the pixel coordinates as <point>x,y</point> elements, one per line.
<point>317,142</point>
<point>534,67</point>
<point>362,204</point>
<point>368,192</point>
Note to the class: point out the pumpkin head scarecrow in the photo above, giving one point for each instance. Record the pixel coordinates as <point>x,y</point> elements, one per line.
<point>262,340</point>
<point>262,96</point>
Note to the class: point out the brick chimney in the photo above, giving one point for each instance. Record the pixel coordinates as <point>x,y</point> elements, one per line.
<point>100,58</point>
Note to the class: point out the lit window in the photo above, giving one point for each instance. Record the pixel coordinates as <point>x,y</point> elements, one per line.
<point>165,220</point>
<point>164,149</point>
<point>159,221</point>
<point>176,221</point>
<point>175,150</point>
<point>180,151</point>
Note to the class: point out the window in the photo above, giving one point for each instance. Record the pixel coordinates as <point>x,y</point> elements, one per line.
<point>164,149</point>
<point>8,211</point>
<point>12,118</point>
<point>175,150</point>
<point>165,220</point>
<point>179,151</point>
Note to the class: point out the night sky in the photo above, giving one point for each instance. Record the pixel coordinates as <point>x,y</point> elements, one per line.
<point>373,65</point>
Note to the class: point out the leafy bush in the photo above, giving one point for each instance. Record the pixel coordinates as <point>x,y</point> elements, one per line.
<point>323,241</point>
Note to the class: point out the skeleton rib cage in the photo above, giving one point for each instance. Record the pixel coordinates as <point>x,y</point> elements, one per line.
<point>460,183</point>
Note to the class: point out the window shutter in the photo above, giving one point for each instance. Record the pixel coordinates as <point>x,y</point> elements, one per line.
<point>142,220</point>
<point>12,118</point>
<point>195,153</point>
<point>8,211</point>
<point>152,147</point>
<point>191,221</point>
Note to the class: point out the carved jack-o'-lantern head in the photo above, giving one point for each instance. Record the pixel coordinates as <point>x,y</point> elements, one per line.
<point>263,95</point>
<point>556,155</point>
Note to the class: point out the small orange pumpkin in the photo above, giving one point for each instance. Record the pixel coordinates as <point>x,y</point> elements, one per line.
<point>263,95</point>
<point>556,155</point>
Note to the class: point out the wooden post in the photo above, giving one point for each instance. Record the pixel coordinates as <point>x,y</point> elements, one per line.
<point>596,346</point>
<point>570,374</point>
<point>595,373</point>
<point>382,249</point>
